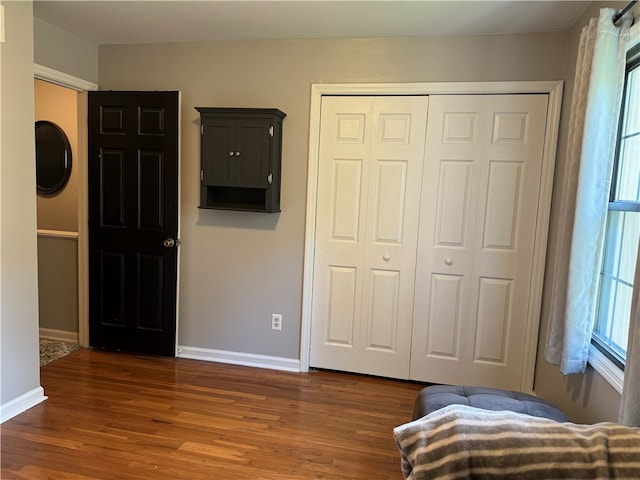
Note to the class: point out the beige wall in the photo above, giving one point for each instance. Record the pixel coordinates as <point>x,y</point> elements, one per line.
<point>586,398</point>
<point>63,51</point>
<point>19,365</point>
<point>58,285</point>
<point>60,106</point>
<point>237,267</point>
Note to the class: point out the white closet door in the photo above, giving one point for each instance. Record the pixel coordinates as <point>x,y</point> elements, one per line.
<point>369,181</point>
<point>477,229</point>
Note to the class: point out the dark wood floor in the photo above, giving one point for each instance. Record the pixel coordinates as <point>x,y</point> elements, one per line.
<point>118,416</point>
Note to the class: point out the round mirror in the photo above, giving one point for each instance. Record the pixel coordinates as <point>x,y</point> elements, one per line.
<point>53,158</point>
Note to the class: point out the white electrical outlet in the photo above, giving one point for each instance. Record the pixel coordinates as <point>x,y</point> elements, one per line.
<point>276,321</point>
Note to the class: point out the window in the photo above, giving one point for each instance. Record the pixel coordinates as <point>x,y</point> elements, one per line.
<point>623,227</point>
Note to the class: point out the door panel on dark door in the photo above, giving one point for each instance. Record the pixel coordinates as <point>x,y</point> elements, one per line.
<point>133,210</point>
<point>218,151</point>
<point>253,138</point>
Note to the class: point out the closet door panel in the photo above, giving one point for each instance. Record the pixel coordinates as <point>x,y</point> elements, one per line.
<point>444,316</point>
<point>452,209</point>
<point>341,306</point>
<point>422,269</point>
<point>343,179</point>
<point>449,205</point>
<point>494,299</point>
<point>390,194</point>
<point>382,321</point>
<point>398,126</point>
<point>503,205</point>
<point>369,179</point>
<point>500,139</point>
<point>512,166</point>
<point>346,199</point>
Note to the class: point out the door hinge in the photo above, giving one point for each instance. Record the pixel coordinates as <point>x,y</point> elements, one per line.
<point>270,178</point>
<point>271,131</point>
<point>201,129</point>
<point>201,175</point>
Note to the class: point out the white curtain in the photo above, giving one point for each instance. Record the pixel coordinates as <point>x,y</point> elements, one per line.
<point>630,403</point>
<point>595,108</point>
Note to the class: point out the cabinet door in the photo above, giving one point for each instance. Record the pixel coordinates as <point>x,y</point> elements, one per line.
<point>219,152</point>
<point>252,153</point>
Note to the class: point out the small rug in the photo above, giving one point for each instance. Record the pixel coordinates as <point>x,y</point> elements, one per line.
<point>51,350</point>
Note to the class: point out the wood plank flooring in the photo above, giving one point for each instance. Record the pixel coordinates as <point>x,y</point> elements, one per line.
<point>119,416</point>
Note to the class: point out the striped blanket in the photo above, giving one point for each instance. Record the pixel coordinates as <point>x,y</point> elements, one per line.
<point>461,442</point>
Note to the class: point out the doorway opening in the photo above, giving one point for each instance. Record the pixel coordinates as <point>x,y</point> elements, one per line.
<point>62,219</point>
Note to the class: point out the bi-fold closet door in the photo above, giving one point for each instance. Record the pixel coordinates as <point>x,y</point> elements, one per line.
<point>425,233</point>
<point>369,183</point>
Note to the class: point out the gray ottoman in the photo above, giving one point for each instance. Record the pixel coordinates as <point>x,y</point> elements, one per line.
<point>435,397</point>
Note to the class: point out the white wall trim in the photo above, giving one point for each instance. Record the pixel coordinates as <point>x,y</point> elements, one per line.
<point>83,220</point>
<point>551,88</point>
<point>237,358</point>
<point>606,368</point>
<point>442,88</point>
<point>541,239</point>
<point>61,335</point>
<point>60,78</point>
<point>22,403</point>
<point>43,233</point>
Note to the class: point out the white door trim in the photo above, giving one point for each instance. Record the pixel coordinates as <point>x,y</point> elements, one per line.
<point>552,88</point>
<point>62,79</point>
<point>82,87</point>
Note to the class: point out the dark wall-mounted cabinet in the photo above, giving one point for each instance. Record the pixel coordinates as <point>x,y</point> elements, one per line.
<point>241,152</point>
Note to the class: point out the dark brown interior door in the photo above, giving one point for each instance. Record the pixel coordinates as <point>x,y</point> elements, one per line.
<point>133,220</point>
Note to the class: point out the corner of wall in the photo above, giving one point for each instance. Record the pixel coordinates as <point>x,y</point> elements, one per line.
<point>19,363</point>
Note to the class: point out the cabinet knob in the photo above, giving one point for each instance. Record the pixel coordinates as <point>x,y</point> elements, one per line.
<point>448,261</point>
<point>231,154</point>
<point>237,154</point>
<point>386,257</point>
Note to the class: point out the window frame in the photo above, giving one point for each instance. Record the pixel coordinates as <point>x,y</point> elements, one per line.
<point>602,361</point>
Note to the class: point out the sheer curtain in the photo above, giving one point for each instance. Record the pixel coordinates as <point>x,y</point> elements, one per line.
<point>595,108</point>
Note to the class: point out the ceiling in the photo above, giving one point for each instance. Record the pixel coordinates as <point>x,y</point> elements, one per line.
<point>151,21</point>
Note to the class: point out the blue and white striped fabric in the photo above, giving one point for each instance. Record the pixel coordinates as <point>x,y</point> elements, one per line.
<point>461,442</point>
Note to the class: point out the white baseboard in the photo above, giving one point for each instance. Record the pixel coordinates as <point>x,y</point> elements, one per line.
<point>22,403</point>
<point>61,335</point>
<point>235,358</point>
